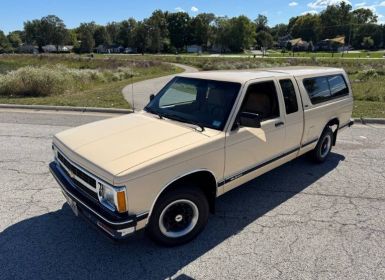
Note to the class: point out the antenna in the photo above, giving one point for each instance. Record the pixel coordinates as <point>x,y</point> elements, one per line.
<point>132,88</point>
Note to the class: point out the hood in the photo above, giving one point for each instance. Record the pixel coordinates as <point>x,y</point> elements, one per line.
<point>118,144</point>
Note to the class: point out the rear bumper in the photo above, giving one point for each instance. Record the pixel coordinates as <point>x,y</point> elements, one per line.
<point>348,124</point>
<point>116,226</point>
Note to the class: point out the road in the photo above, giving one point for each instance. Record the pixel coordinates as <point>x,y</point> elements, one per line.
<point>142,90</point>
<point>300,221</point>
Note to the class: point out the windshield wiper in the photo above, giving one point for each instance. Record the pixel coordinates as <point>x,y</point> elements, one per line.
<point>152,111</point>
<point>181,119</point>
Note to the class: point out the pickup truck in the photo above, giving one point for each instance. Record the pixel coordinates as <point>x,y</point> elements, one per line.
<point>202,135</point>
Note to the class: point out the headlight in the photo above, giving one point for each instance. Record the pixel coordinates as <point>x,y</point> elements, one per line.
<point>113,198</point>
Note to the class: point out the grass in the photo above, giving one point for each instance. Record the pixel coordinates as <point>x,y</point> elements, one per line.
<point>368,109</point>
<point>104,91</point>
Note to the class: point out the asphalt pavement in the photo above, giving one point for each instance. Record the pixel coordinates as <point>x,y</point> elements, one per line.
<point>299,221</point>
<point>138,94</point>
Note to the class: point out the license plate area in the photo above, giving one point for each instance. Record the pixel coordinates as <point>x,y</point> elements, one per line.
<point>72,204</point>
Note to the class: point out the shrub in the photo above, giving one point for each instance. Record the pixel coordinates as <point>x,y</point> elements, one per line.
<point>52,80</point>
<point>366,74</point>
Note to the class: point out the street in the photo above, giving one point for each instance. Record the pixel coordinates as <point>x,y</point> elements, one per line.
<point>299,221</point>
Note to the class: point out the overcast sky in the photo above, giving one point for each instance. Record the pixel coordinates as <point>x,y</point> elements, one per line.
<point>73,12</point>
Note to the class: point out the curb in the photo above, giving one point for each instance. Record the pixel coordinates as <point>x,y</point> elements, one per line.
<point>66,108</point>
<point>369,120</point>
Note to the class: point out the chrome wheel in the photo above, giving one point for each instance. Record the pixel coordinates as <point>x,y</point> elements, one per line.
<point>178,218</point>
<point>325,146</point>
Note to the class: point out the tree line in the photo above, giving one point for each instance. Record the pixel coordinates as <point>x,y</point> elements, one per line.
<point>171,32</point>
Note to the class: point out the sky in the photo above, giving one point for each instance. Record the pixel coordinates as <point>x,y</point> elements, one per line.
<point>15,12</point>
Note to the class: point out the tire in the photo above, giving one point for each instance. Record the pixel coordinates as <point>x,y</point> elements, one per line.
<point>178,216</point>
<point>324,146</point>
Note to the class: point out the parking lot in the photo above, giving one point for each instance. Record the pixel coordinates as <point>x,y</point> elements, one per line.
<point>300,221</point>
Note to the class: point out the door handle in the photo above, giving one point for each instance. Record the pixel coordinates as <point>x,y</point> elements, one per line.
<point>279,124</point>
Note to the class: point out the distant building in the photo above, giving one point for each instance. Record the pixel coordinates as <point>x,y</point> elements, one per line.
<point>54,49</point>
<point>283,41</point>
<point>194,49</point>
<point>336,44</point>
<point>27,48</point>
<point>299,45</point>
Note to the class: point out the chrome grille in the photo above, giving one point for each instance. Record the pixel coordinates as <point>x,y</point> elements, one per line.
<point>81,180</point>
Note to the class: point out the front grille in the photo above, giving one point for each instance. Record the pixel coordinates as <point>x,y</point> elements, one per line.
<point>79,174</point>
<point>89,180</point>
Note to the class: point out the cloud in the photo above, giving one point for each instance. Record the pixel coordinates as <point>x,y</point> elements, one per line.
<point>293,4</point>
<point>321,4</point>
<point>382,4</point>
<point>179,9</point>
<point>312,12</point>
<point>194,9</point>
<point>360,4</point>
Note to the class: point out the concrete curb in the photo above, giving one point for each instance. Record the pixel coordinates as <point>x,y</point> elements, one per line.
<point>370,120</point>
<point>66,108</point>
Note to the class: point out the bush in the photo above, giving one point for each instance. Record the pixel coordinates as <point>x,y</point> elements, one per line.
<point>366,74</point>
<point>53,80</point>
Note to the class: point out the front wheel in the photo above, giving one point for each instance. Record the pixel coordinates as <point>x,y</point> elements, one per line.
<point>324,146</point>
<point>179,216</point>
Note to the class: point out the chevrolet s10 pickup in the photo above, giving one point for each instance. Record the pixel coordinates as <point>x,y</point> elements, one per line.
<point>202,135</point>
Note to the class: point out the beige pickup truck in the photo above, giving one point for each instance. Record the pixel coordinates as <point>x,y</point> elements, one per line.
<point>202,135</point>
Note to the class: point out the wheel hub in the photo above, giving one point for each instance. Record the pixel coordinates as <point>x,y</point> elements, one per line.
<point>178,218</point>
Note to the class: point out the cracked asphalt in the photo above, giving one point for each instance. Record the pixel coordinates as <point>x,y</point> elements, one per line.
<point>300,221</point>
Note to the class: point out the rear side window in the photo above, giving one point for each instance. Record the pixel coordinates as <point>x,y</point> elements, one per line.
<point>289,96</point>
<point>321,89</point>
<point>338,86</point>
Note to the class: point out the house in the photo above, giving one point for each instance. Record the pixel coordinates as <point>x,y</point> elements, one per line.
<point>334,44</point>
<point>194,49</point>
<point>54,49</point>
<point>28,48</point>
<point>282,41</point>
<point>299,45</point>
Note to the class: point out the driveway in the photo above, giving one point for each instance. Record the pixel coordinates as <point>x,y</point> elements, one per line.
<point>300,221</point>
<point>142,90</point>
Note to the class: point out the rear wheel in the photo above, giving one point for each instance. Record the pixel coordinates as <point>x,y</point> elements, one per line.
<point>324,146</point>
<point>178,216</point>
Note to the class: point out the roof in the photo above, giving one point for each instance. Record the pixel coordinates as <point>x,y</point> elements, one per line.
<point>242,76</point>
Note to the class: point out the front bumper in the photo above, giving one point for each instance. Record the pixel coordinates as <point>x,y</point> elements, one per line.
<point>116,226</point>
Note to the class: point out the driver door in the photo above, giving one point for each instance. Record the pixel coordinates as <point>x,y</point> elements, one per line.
<point>250,150</point>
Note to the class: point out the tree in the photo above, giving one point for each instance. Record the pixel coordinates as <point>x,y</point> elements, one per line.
<point>362,15</point>
<point>179,29</point>
<point>141,37</point>
<point>261,23</point>
<point>14,39</point>
<point>113,29</point>
<point>47,30</point>
<point>101,36</point>
<point>279,30</point>
<point>126,33</point>
<point>367,43</point>
<point>242,33</point>
<point>264,39</point>
<point>222,33</point>
<point>307,27</point>
<point>336,20</point>
<point>86,35</point>
<point>202,33</point>
<point>5,46</point>
<point>368,30</point>
<point>157,31</point>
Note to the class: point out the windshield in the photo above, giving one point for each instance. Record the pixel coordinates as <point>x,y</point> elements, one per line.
<point>202,102</point>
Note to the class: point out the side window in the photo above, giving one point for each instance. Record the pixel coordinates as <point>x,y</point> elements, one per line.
<point>289,96</point>
<point>318,89</point>
<point>261,98</point>
<point>338,86</point>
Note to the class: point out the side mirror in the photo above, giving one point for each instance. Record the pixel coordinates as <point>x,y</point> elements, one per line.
<point>249,119</point>
<point>152,96</point>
